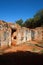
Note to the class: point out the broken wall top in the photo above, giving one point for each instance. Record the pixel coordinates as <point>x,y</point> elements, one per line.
<point>17,26</point>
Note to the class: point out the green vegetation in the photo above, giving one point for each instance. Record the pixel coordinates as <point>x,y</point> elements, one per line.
<point>41,51</point>
<point>34,22</point>
<point>20,22</point>
<point>34,49</point>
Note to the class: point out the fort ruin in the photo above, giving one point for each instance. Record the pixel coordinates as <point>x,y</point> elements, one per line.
<point>13,34</point>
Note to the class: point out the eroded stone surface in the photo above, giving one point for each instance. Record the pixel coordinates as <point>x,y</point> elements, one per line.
<point>13,34</point>
<point>5,34</point>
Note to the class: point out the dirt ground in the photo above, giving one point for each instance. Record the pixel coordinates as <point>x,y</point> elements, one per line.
<point>23,47</point>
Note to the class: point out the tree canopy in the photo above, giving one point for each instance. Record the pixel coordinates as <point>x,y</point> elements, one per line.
<point>20,22</point>
<point>34,22</point>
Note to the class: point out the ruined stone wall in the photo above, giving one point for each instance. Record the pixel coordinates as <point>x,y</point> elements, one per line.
<point>13,34</point>
<point>25,34</point>
<point>39,34</point>
<point>22,35</point>
<point>5,34</point>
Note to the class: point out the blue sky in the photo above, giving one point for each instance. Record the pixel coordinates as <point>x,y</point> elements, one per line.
<point>12,10</point>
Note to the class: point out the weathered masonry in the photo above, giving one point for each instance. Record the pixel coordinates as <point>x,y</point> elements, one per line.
<point>23,34</point>
<point>5,34</point>
<point>13,34</point>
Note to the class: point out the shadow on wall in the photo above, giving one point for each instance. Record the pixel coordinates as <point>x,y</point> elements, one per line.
<point>21,58</point>
<point>13,30</point>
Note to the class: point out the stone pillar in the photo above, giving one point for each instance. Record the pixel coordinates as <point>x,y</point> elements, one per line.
<point>24,36</point>
<point>29,35</point>
<point>18,38</point>
<point>9,37</point>
<point>36,35</point>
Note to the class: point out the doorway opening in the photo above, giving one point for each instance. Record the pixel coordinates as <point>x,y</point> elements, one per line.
<point>14,30</point>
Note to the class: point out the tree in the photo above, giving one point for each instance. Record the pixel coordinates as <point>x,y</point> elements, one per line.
<point>38,18</point>
<point>39,14</point>
<point>34,22</point>
<point>20,22</point>
<point>29,23</point>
